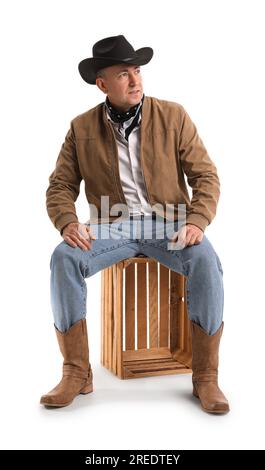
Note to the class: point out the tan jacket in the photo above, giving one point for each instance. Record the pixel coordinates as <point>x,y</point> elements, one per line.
<point>170,148</point>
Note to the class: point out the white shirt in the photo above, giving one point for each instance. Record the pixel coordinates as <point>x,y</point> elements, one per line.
<point>131,175</point>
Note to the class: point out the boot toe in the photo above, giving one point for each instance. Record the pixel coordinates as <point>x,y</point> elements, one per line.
<point>45,399</point>
<point>220,408</point>
<point>52,401</point>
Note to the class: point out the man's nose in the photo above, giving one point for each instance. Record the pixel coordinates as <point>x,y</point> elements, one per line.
<point>133,79</point>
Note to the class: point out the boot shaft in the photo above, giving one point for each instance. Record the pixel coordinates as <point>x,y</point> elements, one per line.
<point>73,345</point>
<point>205,358</point>
<point>205,351</point>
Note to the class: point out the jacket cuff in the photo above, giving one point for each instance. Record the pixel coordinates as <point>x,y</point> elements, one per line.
<point>64,220</point>
<point>198,220</point>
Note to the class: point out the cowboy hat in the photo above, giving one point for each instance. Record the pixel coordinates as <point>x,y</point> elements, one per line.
<point>111,51</point>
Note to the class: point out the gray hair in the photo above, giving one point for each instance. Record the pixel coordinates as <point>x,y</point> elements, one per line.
<point>100,73</point>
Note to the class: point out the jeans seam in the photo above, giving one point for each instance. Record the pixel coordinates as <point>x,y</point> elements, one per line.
<point>84,297</point>
<point>106,250</point>
<point>165,250</point>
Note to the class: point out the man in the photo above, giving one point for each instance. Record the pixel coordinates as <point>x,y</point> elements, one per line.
<point>133,150</point>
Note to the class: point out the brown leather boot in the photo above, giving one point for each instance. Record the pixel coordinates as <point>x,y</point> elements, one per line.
<point>77,373</point>
<point>205,370</point>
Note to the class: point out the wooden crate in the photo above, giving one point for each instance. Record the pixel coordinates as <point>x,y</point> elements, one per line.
<point>145,329</point>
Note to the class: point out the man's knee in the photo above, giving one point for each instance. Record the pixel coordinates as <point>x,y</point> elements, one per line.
<point>64,253</point>
<point>205,257</point>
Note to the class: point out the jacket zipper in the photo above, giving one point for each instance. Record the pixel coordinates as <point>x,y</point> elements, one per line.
<point>118,183</point>
<point>141,162</point>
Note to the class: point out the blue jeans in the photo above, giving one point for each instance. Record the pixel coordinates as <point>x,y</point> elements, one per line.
<point>115,242</point>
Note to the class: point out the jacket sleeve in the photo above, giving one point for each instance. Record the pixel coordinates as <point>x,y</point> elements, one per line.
<point>64,185</point>
<point>201,175</point>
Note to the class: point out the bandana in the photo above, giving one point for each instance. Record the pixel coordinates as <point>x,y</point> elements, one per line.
<point>121,117</point>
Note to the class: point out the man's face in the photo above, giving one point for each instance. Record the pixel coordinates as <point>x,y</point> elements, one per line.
<point>123,85</point>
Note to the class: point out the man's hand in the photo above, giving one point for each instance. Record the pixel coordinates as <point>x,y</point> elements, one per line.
<point>76,234</point>
<point>188,235</point>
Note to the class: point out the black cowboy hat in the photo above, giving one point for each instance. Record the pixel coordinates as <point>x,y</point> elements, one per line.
<point>111,51</point>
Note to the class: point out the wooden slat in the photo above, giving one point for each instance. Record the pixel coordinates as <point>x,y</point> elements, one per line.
<point>173,311</point>
<point>153,305</point>
<point>114,314</point>
<point>137,374</point>
<point>118,317</point>
<point>179,293</point>
<point>141,306</point>
<point>158,362</point>
<point>138,260</point>
<point>152,366</point>
<point>102,355</point>
<point>127,262</point>
<point>129,307</point>
<point>146,354</point>
<point>107,321</point>
<point>106,293</point>
<point>164,306</point>
<point>110,317</point>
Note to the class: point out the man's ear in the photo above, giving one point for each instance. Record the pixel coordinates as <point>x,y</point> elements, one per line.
<point>101,85</point>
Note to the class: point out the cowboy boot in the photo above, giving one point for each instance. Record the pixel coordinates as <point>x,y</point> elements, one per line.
<point>77,373</point>
<point>205,370</point>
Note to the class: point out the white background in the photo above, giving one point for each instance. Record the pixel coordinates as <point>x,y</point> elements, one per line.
<point>208,56</point>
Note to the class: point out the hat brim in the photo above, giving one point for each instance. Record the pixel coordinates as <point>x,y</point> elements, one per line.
<point>88,68</point>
